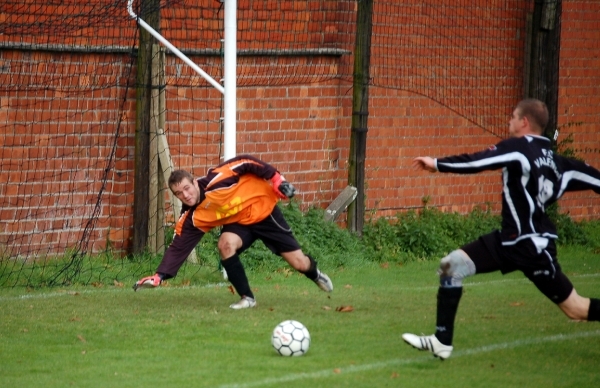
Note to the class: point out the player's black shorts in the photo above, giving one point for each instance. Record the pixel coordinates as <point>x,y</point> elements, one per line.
<point>273,231</point>
<point>542,269</point>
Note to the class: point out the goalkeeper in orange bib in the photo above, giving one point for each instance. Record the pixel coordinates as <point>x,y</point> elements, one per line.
<point>241,195</point>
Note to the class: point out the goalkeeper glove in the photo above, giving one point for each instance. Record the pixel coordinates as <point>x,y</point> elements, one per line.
<point>282,188</point>
<point>148,282</point>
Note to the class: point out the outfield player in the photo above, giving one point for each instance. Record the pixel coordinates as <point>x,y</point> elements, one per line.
<point>533,177</point>
<point>241,195</point>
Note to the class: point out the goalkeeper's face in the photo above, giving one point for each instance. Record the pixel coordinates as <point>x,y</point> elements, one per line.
<point>187,191</point>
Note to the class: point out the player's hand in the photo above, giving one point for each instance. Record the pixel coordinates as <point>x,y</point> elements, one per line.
<point>148,282</point>
<point>424,163</point>
<point>282,188</point>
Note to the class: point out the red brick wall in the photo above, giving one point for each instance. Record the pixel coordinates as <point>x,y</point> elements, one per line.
<point>404,126</point>
<point>579,94</point>
<point>56,143</point>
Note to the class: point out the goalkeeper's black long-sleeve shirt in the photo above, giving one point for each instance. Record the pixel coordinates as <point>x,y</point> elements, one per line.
<point>236,191</point>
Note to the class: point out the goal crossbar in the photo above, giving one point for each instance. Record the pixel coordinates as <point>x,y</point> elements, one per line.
<point>173,49</point>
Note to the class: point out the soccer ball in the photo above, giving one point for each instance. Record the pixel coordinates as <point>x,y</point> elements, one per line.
<point>290,338</point>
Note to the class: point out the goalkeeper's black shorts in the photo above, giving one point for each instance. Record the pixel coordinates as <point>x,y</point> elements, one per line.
<point>273,231</point>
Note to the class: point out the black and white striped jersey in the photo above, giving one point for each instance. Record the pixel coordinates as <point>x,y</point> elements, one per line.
<point>533,178</point>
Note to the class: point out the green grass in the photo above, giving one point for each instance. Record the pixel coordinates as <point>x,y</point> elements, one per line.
<point>507,333</point>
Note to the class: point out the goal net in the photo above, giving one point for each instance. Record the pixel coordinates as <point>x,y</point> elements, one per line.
<point>70,71</point>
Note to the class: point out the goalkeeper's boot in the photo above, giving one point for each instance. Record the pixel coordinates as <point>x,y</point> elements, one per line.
<point>323,282</point>
<point>430,343</point>
<point>148,282</point>
<point>245,303</point>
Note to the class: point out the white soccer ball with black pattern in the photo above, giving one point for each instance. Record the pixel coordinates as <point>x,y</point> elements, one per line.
<point>290,338</point>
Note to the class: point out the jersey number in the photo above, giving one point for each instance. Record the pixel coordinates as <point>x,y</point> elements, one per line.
<point>546,190</point>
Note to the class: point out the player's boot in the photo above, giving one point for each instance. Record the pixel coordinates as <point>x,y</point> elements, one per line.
<point>245,303</point>
<point>429,342</point>
<point>323,282</point>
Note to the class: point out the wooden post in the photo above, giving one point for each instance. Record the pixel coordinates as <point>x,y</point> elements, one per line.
<point>543,58</point>
<point>150,12</point>
<point>153,189</point>
<point>340,203</point>
<point>162,107</point>
<point>360,113</point>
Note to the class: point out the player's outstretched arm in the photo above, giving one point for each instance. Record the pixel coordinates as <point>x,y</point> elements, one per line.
<point>175,255</point>
<point>425,163</point>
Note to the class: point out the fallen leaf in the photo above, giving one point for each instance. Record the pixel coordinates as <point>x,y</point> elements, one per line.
<point>344,309</point>
<point>385,265</point>
<point>348,286</point>
<point>118,284</point>
<point>80,337</point>
<point>326,308</point>
<point>97,284</point>
<point>394,375</point>
<point>337,370</point>
<point>185,283</point>
<point>285,271</point>
<point>517,304</point>
<point>231,289</point>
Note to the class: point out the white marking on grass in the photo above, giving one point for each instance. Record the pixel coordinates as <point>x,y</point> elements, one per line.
<point>105,290</point>
<point>332,372</point>
<point>225,284</point>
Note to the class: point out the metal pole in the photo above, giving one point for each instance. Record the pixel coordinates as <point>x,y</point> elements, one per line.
<point>230,76</point>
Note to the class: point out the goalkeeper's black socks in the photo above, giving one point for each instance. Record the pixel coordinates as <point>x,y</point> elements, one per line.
<point>312,272</point>
<point>594,311</point>
<point>237,276</point>
<point>447,305</point>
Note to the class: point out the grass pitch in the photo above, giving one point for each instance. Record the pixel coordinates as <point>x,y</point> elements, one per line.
<point>507,333</point>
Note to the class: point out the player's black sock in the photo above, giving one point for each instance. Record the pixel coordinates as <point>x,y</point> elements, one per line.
<point>237,275</point>
<point>594,312</point>
<point>447,305</point>
<point>311,273</point>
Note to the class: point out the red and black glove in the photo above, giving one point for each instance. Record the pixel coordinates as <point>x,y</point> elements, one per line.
<point>282,188</point>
